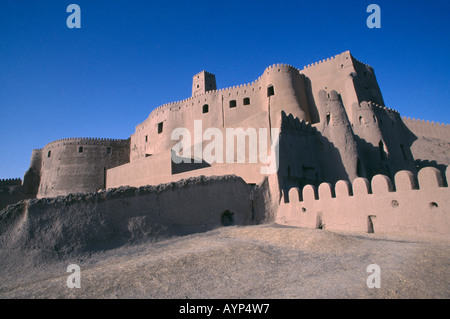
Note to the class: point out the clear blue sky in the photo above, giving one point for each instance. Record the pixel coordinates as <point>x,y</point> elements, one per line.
<point>132,56</point>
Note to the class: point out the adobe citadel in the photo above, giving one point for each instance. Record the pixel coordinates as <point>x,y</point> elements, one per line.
<point>345,160</point>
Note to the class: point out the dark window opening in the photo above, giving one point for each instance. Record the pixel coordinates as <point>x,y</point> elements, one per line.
<point>233,103</point>
<point>160,127</point>
<point>227,218</point>
<point>205,108</point>
<point>370,228</point>
<point>49,153</point>
<point>80,149</point>
<point>319,223</point>
<point>361,120</point>
<point>146,138</point>
<point>198,86</point>
<point>246,101</point>
<point>108,150</point>
<point>270,90</point>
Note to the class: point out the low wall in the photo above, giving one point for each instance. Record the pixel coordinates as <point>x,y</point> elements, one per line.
<point>157,169</point>
<point>410,207</point>
<point>107,219</point>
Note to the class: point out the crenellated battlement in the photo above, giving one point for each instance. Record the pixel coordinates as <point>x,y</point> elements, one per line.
<point>362,63</point>
<point>408,205</point>
<point>87,141</point>
<point>280,66</point>
<point>373,105</point>
<point>427,128</point>
<point>428,178</point>
<point>321,62</point>
<point>291,124</point>
<point>192,99</point>
<point>426,122</point>
<point>10,182</point>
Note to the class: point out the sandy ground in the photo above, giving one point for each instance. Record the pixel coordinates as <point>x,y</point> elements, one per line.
<point>265,261</point>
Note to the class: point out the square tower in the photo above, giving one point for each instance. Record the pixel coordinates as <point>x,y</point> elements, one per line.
<point>203,82</point>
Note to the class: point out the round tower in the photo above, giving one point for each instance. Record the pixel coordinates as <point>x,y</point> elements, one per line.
<point>284,88</point>
<point>340,151</point>
<point>79,164</point>
<point>374,152</point>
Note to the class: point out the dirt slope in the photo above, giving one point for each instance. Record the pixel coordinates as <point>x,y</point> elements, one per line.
<point>265,261</point>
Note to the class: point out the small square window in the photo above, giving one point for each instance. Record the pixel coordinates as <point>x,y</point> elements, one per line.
<point>108,150</point>
<point>80,149</point>
<point>232,103</point>
<point>270,90</point>
<point>247,101</point>
<point>205,108</point>
<point>160,127</point>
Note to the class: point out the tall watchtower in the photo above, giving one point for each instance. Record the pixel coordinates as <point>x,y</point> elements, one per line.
<point>203,82</point>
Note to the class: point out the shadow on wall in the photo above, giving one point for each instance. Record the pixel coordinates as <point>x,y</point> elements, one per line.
<point>306,156</point>
<point>372,160</point>
<point>182,164</point>
<point>313,110</point>
<point>426,163</point>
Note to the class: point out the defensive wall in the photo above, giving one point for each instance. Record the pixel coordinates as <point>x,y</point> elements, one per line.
<point>354,80</point>
<point>74,165</point>
<point>11,191</point>
<point>428,129</point>
<point>256,104</point>
<point>341,130</point>
<point>103,220</point>
<point>410,206</point>
<point>10,182</point>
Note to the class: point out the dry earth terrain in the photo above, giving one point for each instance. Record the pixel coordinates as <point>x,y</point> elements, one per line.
<point>264,261</point>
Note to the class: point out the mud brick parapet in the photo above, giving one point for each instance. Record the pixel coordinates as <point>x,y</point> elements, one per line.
<point>428,129</point>
<point>409,206</point>
<point>11,182</point>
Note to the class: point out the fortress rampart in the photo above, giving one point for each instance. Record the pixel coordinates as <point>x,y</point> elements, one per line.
<point>409,206</point>
<point>355,82</point>
<point>428,129</point>
<point>11,182</point>
<point>332,120</point>
<point>91,221</point>
<point>256,104</point>
<point>74,165</point>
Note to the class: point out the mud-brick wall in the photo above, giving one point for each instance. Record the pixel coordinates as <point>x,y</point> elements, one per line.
<point>410,206</point>
<point>107,219</point>
<point>79,164</point>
